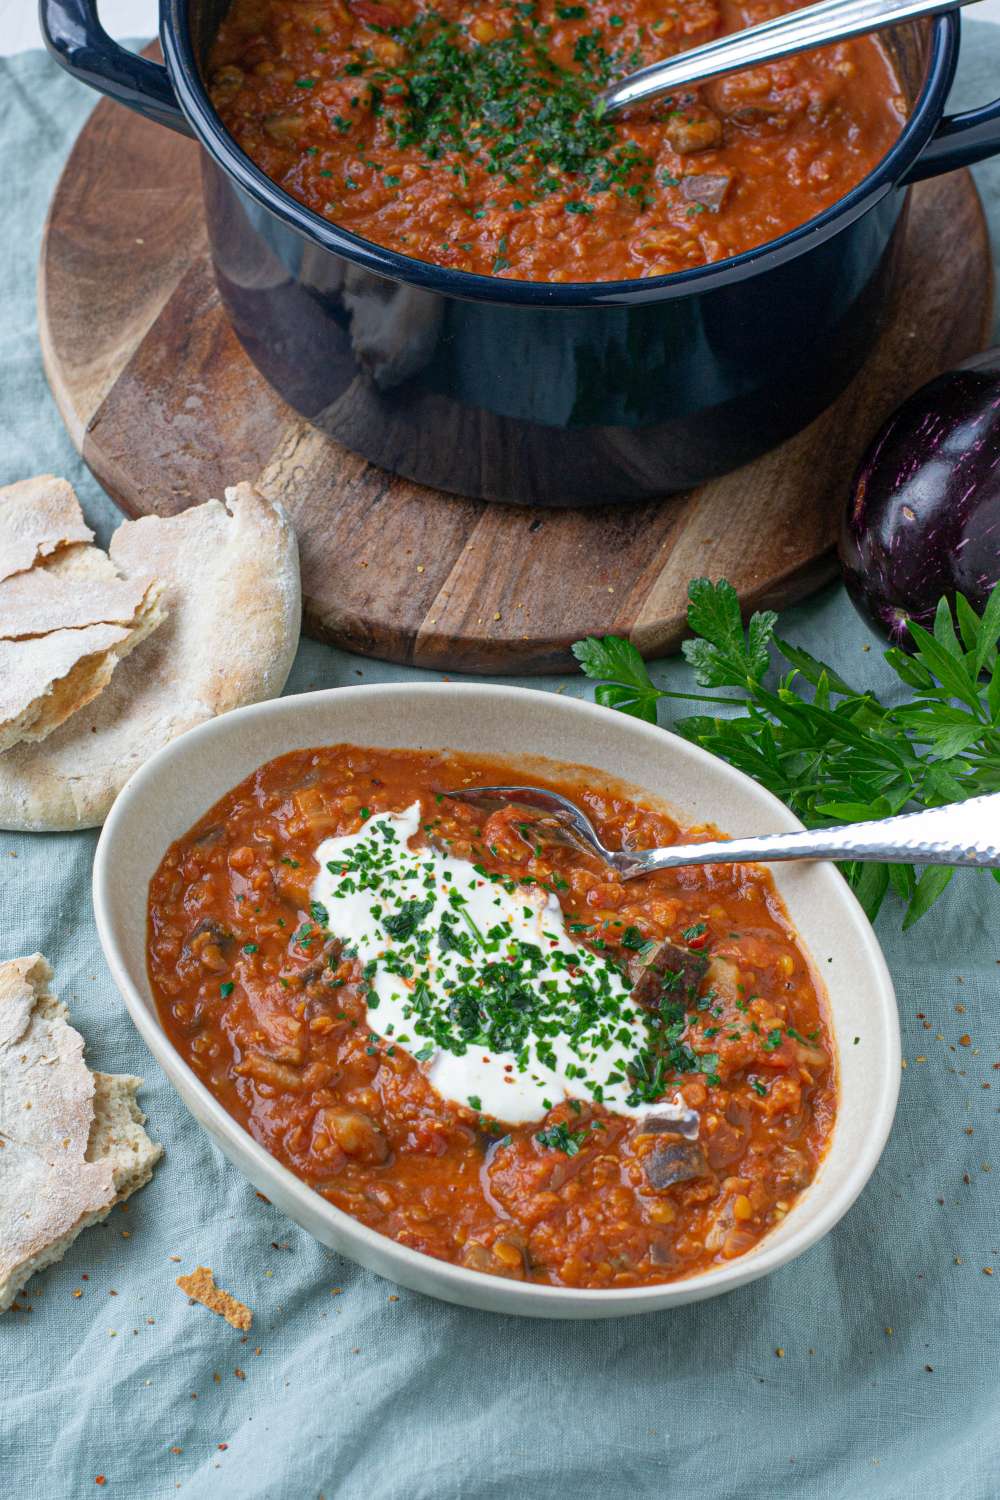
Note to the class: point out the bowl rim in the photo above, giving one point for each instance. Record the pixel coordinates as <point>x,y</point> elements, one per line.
<point>539,1299</point>
<point>887,174</point>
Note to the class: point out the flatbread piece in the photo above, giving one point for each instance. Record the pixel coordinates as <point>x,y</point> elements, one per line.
<point>38,517</point>
<point>231,592</point>
<point>76,587</point>
<point>71,1141</point>
<point>66,620</point>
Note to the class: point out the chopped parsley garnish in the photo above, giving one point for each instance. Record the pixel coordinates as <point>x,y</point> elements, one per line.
<point>508,106</point>
<point>561,1138</point>
<point>406,921</point>
<point>467,961</point>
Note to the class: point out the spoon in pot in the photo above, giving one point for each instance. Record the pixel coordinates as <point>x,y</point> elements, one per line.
<point>798,31</point>
<point>962,833</point>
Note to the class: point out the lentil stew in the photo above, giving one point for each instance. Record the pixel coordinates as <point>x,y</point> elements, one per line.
<point>468,135</point>
<point>480,1042</point>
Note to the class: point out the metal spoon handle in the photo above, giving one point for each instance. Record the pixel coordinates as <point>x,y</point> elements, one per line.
<point>798,31</point>
<point>963,833</point>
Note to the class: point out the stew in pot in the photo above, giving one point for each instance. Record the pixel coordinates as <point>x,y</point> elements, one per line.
<point>467,135</point>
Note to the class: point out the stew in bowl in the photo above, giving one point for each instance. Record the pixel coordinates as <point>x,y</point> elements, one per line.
<point>483,1043</point>
<point>380,1152</point>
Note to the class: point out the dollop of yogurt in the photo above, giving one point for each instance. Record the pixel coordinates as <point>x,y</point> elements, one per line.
<point>476,976</point>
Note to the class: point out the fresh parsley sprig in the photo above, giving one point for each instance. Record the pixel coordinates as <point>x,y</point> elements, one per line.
<point>834,753</point>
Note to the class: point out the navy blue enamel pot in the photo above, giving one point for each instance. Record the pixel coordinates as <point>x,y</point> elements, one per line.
<point>528,392</point>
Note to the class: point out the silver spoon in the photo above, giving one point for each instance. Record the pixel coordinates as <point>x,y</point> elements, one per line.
<point>798,31</point>
<point>962,833</point>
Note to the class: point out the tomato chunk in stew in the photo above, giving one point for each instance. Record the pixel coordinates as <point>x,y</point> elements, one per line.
<point>479,1041</point>
<point>468,136</point>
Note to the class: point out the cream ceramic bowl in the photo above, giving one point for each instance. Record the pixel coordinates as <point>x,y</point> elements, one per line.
<point>183,780</point>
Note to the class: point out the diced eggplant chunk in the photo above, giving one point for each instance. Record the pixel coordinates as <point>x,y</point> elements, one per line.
<point>707,188</point>
<point>328,957</point>
<point>669,973</point>
<point>675,1161</point>
<point>210,943</point>
<point>690,134</point>
<point>507,1258</point>
<point>751,97</point>
<point>674,1121</point>
<point>658,1125</point>
<point>355,1133</point>
<point>218,933</point>
<point>661,1252</point>
<point>791,1169</point>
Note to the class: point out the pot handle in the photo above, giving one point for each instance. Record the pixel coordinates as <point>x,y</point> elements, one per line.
<point>80,44</point>
<point>959,141</point>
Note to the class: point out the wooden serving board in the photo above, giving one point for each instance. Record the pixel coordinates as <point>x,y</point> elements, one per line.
<point>167,410</point>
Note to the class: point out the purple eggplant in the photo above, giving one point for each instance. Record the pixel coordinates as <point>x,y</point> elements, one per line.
<point>924,513</point>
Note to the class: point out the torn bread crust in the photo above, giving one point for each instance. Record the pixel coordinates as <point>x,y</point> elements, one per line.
<point>71,1141</point>
<point>78,586</point>
<point>233,599</point>
<point>200,1287</point>
<point>45,679</point>
<point>37,518</point>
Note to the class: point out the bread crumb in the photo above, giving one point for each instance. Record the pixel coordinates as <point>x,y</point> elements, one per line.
<point>200,1287</point>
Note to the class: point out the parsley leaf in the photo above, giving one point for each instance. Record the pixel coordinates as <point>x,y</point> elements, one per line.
<point>404,923</point>
<point>724,657</point>
<point>633,938</point>
<point>627,684</point>
<point>561,1138</point>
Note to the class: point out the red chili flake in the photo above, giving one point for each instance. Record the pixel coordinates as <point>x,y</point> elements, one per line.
<point>223,1447</point>
<point>100,1479</point>
<point>240,1374</point>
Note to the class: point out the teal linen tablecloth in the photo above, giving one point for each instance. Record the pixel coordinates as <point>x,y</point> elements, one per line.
<point>353,1389</point>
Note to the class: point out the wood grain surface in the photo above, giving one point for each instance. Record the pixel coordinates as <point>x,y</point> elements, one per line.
<point>167,410</point>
